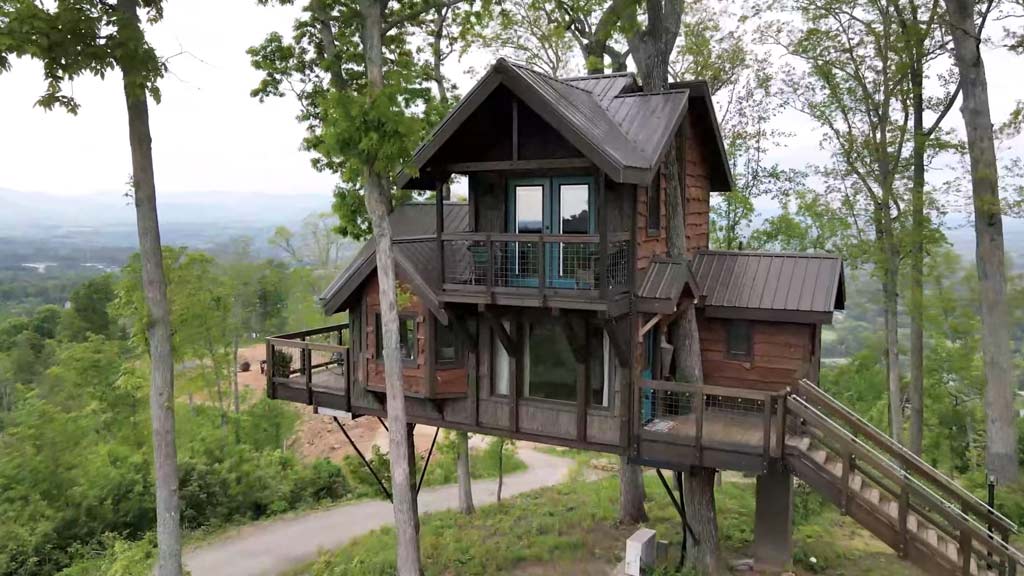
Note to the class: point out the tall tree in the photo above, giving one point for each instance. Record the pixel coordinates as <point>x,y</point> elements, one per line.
<point>651,44</point>
<point>93,37</point>
<point>357,79</point>
<point>1001,422</point>
<point>854,87</point>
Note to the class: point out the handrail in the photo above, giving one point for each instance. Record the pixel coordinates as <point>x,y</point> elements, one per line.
<point>906,457</point>
<point>311,332</point>
<point>979,533</point>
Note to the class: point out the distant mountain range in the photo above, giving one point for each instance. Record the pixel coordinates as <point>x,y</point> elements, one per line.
<point>28,212</point>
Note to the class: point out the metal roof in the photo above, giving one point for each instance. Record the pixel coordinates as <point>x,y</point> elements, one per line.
<point>415,254</point>
<point>661,287</point>
<point>624,133</point>
<point>796,286</point>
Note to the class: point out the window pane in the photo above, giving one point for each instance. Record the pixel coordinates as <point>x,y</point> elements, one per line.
<point>407,338</point>
<point>529,209</point>
<point>502,366</point>
<point>447,350</point>
<point>739,338</point>
<point>574,208</point>
<point>551,367</point>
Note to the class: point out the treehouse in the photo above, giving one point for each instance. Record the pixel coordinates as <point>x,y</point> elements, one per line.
<point>539,310</point>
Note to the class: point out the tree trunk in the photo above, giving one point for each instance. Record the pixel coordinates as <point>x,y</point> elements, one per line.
<point>890,303</point>
<point>465,481</point>
<point>378,205</point>
<point>917,234</point>
<point>631,493</point>
<point>234,375</point>
<point>1001,453</point>
<point>501,471</point>
<point>699,495</point>
<point>161,397</point>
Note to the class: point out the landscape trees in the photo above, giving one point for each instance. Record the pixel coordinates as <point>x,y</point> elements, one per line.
<point>988,228</point>
<point>95,37</point>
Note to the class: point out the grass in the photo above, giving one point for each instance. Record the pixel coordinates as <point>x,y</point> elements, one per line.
<point>571,528</point>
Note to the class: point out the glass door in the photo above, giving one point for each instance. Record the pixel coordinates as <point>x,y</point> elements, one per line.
<point>527,214</point>
<point>573,264</point>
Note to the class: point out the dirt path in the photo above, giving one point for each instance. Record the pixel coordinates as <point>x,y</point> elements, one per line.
<point>271,548</point>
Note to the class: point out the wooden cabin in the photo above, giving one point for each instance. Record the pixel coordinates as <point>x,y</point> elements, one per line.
<point>538,311</point>
<point>538,308</point>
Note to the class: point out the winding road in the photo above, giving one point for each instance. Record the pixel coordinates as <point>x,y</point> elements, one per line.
<point>270,548</point>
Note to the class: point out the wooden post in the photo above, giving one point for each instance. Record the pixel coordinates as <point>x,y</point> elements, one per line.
<point>582,380</point>
<point>269,367</point>
<point>903,510</point>
<point>965,552</point>
<point>307,372</point>
<point>780,437</point>
<point>766,416</point>
<point>490,264</point>
<point>601,274</point>
<point>848,464</point>
<point>541,272</point>
<point>439,229</point>
<point>431,367</point>
<point>517,376</point>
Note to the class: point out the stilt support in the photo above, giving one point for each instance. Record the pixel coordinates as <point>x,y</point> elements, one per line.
<point>366,462</point>
<point>426,463</point>
<point>773,520</point>
<point>680,507</point>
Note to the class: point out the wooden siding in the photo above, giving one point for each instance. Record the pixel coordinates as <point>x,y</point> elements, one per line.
<point>698,187</point>
<point>413,377</point>
<point>782,354</point>
<point>649,245</point>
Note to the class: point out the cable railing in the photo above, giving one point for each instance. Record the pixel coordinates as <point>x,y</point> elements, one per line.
<point>307,362</point>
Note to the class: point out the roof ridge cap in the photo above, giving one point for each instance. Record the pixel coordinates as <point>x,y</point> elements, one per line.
<point>606,75</point>
<point>548,76</point>
<point>658,93</point>
<point>772,253</point>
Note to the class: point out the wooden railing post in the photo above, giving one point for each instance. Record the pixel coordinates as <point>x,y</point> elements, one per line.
<point>541,269</point>
<point>849,461</point>
<point>766,415</point>
<point>965,551</point>
<point>307,372</point>
<point>780,437</point>
<point>903,511</point>
<point>269,367</point>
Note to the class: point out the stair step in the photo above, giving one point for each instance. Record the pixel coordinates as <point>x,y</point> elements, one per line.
<point>912,523</point>
<point>818,455</point>
<point>892,508</point>
<point>856,482</point>
<point>801,443</point>
<point>872,494</point>
<point>931,536</point>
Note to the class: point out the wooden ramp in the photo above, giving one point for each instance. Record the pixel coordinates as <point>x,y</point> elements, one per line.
<point>923,515</point>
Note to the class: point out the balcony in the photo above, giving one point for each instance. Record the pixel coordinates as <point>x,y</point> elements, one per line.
<point>310,367</point>
<point>568,270</point>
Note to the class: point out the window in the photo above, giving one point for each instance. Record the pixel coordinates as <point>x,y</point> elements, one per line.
<point>406,338</point>
<point>654,206</point>
<point>550,370</point>
<point>502,369</point>
<point>739,344</point>
<point>447,352</point>
<point>600,369</point>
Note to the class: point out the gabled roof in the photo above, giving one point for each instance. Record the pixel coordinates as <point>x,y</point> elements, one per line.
<point>415,251</point>
<point>622,131</point>
<point>784,287</point>
<point>663,283</point>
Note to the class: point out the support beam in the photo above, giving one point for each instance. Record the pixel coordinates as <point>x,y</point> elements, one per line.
<point>507,342</point>
<point>650,324</point>
<point>773,520</point>
<point>366,462</point>
<point>544,164</point>
<point>426,463</point>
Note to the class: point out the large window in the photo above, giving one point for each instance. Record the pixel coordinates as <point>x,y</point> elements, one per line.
<point>448,352</point>
<point>739,340</point>
<point>406,338</point>
<point>550,370</point>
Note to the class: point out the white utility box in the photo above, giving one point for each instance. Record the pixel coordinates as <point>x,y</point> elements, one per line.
<point>641,551</point>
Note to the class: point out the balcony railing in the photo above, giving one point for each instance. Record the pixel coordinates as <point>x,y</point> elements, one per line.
<point>302,364</point>
<point>537,263</point>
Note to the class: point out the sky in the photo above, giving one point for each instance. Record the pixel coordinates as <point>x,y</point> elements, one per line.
<point>209,135</point>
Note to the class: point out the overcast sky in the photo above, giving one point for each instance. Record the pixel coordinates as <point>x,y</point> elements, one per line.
<point>209,135</point>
